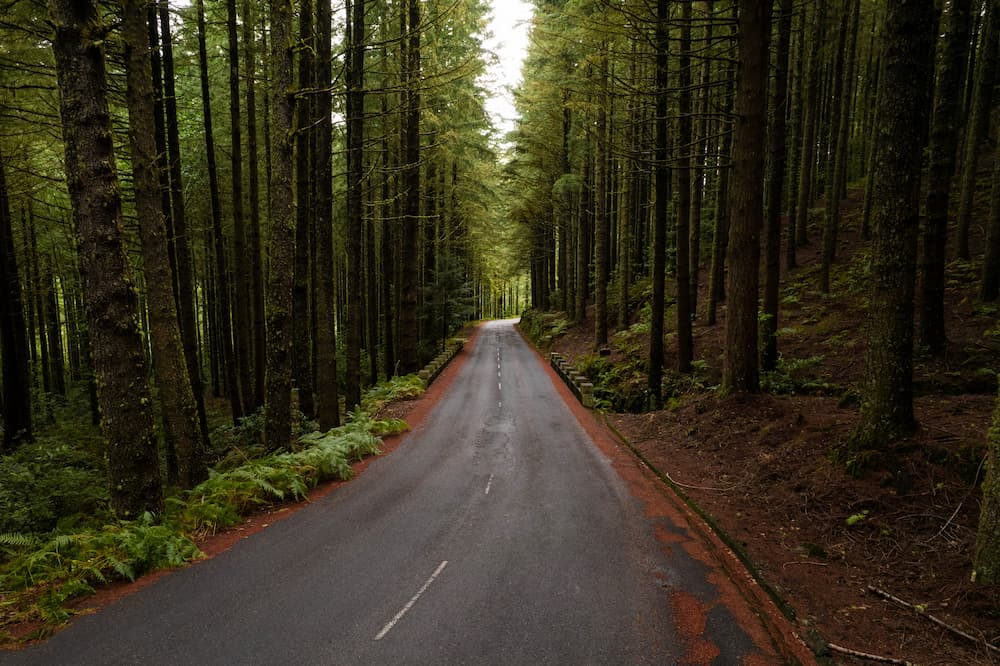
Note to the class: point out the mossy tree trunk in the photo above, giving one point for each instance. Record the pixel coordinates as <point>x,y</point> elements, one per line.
<point>177,403</point>
<point>904,105</point>
<point>119,358</point>
<point>278,376</point>
<point>355,78</point>
<point>327,391</point>
<point>302,329</point>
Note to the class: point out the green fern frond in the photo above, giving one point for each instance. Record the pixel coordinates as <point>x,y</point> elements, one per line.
<point>18,540</point>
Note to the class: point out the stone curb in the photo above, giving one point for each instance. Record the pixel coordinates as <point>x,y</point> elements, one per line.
<point>430,372</point>
<point>582,387</point>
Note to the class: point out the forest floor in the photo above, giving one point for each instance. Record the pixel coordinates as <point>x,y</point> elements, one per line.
<point>765,467</point>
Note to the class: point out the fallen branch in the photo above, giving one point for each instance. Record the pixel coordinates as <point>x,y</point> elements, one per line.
<point>810,562</point>
<point>940,623</point>
<point>869,657</point>
<point>690,487</point>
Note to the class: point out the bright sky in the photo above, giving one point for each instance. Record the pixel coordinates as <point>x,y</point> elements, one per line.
<point>510,23</point>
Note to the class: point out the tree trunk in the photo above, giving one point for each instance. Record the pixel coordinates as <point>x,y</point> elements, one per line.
<point>741,370</point>
<point>904,104</point>
<point>685,341</point>
<point>720,231</point>
<point>110,299</point>
<point>57,366</point>
<point>602,231</point>
<point>389,274</point>
<point>184,263</point>
<point>775,190</point>
<point>242,353</point>
<point>327,390</point>
<point>699,188</point>
<point>794,140</point>
<point>986,558</point>
<point>810,125</point>
<point>278,378</point>
<point>945,131</point>
<point>355,78</point>
<point>831,217</point>
<point>979,122</point>
<point>662,194</point>
<point>17,427</point>
<point>989,287</point>
<point>410,279</point>
<point>302,336</point>
<point>254,230</point>
<point>224,301</point>
<point>177,405</point>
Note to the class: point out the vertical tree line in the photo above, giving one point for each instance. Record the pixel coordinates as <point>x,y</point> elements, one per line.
<point>357,218</point>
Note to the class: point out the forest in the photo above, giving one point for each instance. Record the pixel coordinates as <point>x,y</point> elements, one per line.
<point>756,221</point>
<point>231,229</point>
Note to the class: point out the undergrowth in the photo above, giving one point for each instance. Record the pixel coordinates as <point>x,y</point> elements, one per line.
<point>50,554</point>
<point>543,327</point>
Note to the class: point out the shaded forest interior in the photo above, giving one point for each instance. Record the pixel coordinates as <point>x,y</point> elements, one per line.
<point>223,224</point>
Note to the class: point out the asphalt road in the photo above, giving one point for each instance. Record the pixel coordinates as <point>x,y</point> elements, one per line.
<point>497,533</point>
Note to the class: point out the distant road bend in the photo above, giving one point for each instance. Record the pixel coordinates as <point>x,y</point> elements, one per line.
<point>498,533</point>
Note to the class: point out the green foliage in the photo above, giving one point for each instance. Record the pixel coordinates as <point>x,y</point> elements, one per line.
<point>68,565</point>
<point>543,327</point>
<point>856,518</point>
<point>48,481</point>
<point>45,570</point>
<point>406,387</point>
<point>226,496</point>
<point>796,377</point>
<point>619,386</point>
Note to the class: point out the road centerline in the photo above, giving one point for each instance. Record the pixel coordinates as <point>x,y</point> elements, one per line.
<point>409,604</point>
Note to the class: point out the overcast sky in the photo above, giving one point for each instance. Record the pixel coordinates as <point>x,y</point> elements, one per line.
<point>510,24</point>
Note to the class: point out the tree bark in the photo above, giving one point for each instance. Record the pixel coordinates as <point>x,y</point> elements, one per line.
<point>602,232</point>
<point>302,336</point>
<point>242,353</point>
<point>978,122</point>
<point>947,124</point>
<point>278,378</point>
<point>741,369</point>
<point>685,341</point>
<point>110,299</point>
<point>327,390</point>
<point>810,125</point>
<point>989,287</point>
<point>254,230</point>
<point>182,242</point>
<point>224,301</point>
<point>355,77</point>
<point>177,405</point>
<point>831,218</point>
<point>662,194</point>
<point>986,558</point>
<point>775,191</point>
<point>904,104</point>
<point>409,336</point>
